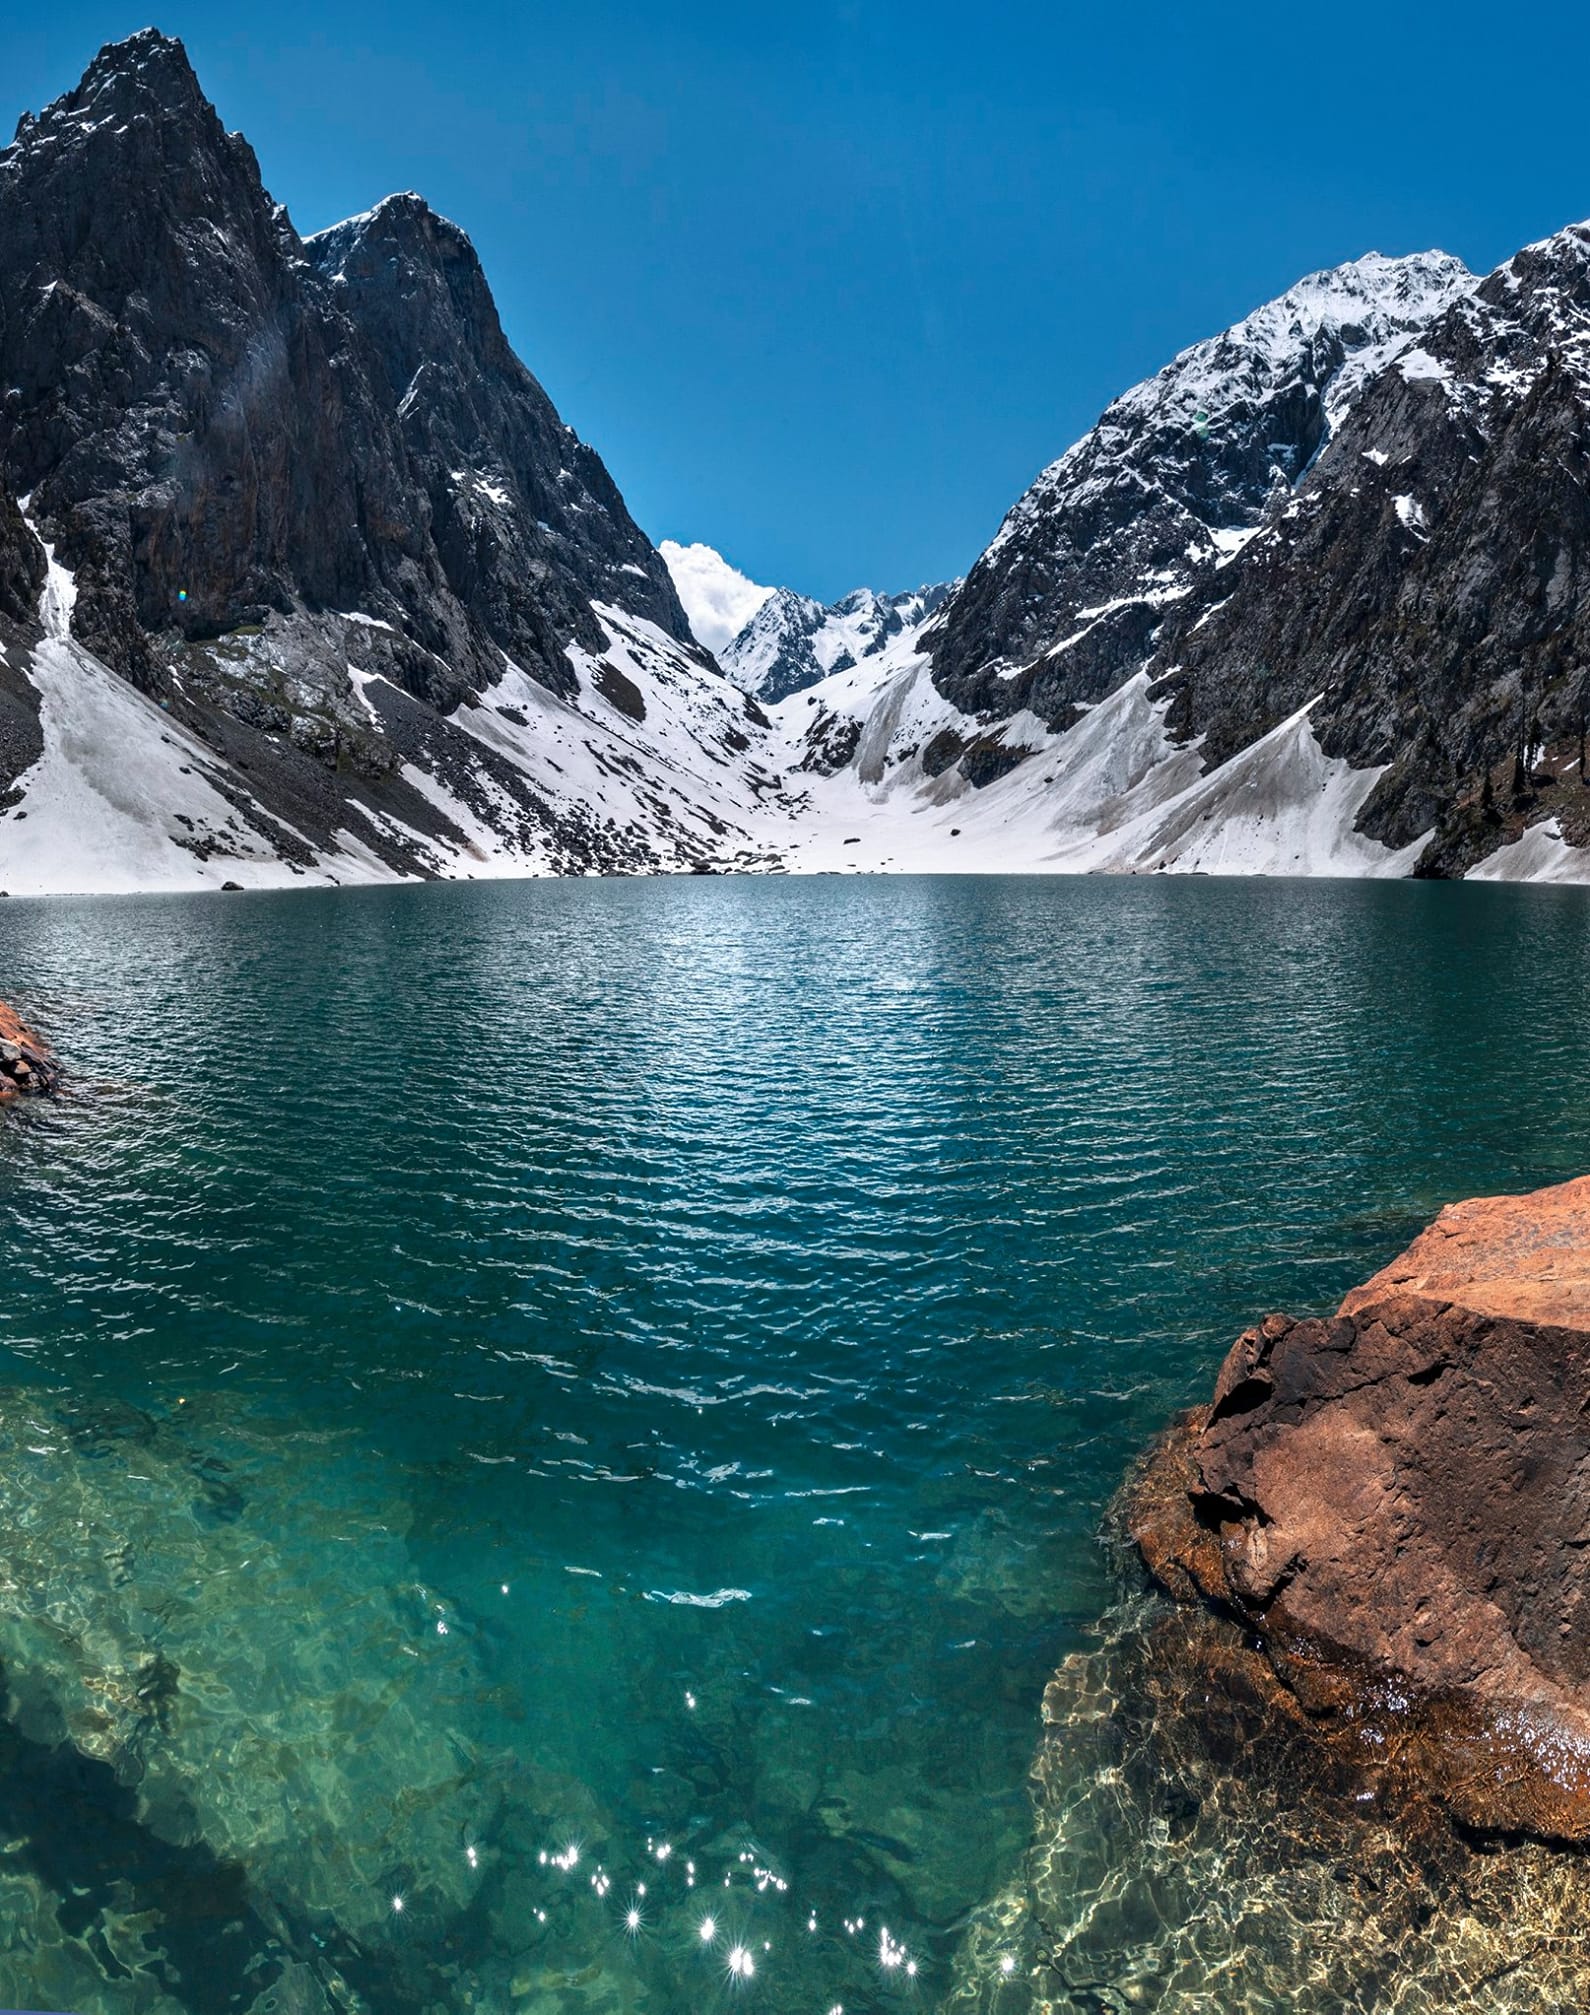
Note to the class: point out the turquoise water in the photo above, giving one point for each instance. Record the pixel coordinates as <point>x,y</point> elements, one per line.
<point>565,1390</point>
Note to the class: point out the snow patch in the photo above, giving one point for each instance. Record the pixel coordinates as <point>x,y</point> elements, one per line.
<point>1419,367</point>
<point>1539,855</point>
<point>1410,513</point>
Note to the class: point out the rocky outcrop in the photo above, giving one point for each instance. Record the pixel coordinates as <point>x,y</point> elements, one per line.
<point>1395,1502</point>
<point>28,1068</point>
<point>21,563</point>
<point>1144,513</point>
<point>218,422</point>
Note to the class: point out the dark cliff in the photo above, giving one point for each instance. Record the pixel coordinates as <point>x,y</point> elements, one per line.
<point>216,422</point>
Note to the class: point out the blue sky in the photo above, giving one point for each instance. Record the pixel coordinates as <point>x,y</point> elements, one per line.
<point>827,285</point>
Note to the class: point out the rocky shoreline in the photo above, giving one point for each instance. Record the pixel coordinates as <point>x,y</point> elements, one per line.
<point>28,1066</point>
<point>1395,1505</point>
<point>1333,1750</point>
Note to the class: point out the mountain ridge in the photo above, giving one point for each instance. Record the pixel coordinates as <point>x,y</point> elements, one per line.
<point>303,576</point>
<point>313,508</point>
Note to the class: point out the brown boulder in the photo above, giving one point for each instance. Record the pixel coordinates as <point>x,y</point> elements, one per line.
<point>1397,1503</point>
<point>27,1064</point>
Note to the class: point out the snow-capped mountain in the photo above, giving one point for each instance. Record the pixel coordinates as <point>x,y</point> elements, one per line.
<point>1025,730</point>
<point>1426,590</point>
<point>1147,508</point>
<point>302,576</point>
<point>1312,600</point>
<point>791,641</point>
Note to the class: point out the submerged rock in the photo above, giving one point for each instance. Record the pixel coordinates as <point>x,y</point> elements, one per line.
<point>1396,1503</point>
<point>1339,1757</point>
<point>219,1659</point>
<point>1197,1853</point>
<point>28,1068</point>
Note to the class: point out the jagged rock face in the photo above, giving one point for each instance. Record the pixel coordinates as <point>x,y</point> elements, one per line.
<point>386,615</point>
<point>527,523</point>
<point>171,400</point>
<point>1138,516</point>
<point>1427,586</point>
<point>1309,601</point>
<point>214,424</point>
<point>21,563</point>
<point>1395,1503</point>
<point>793,642</point>
<point>21,579</point>
<point>1368,503</point>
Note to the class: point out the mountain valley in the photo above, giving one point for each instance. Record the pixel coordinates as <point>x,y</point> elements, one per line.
<point>302,578</point>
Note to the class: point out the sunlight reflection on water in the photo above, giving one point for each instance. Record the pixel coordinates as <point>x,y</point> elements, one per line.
<point>650,1359</point>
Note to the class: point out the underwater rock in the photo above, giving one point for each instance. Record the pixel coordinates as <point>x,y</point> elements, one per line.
<point>28,1068</point>
<point>1195,1852</point>
<point>213,1632</point>
<point>1396,1504</point>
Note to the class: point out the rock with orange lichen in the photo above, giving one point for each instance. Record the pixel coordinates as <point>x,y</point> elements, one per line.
<point>1396,1502</point>
<point>27,1064</point>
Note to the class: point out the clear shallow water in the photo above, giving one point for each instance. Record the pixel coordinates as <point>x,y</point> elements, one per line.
<point>670,1344</point>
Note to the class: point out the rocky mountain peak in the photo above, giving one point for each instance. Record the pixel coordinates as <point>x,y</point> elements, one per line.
<point>146,60</point>
<point>217,422</point>
<point>793,642</point>
<point>1177,474</point>
<point>400,225</point>
<point>138,95</point>
<point>415,273</point>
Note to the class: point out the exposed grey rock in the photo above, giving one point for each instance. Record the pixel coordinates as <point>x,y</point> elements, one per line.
<point>1137,517</point>
<point>527,523</point>
<point>21,564</point>
<point>402,623</point>
<point>299,485</point>
<point>1368,500</point>
<point>204,407</point>
<point>1428,583</point>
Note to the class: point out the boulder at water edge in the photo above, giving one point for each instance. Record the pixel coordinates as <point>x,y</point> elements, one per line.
<point>27,1065</point>
<point>1396,1502</point>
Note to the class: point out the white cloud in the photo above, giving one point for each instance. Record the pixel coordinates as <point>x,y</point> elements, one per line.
<point>718,598</point>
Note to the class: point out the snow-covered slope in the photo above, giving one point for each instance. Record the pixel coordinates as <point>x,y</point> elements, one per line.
<point>1143,514</point>
<point>649,764</point>
<point>1020,728</point>
<point>1430,581</point>
<point>874,792</point>
<point>315,584</point>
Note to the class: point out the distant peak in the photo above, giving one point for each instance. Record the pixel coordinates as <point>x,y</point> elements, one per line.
<point>143,45</point>
<point>395,215</point>
<point>147,57</point>
<point>405,204</point>
<point>405,222</point>
<point>148,69</point>
<point>1405,289</point>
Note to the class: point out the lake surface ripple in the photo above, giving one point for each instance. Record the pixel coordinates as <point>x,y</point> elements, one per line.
<point>553,1434</point>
